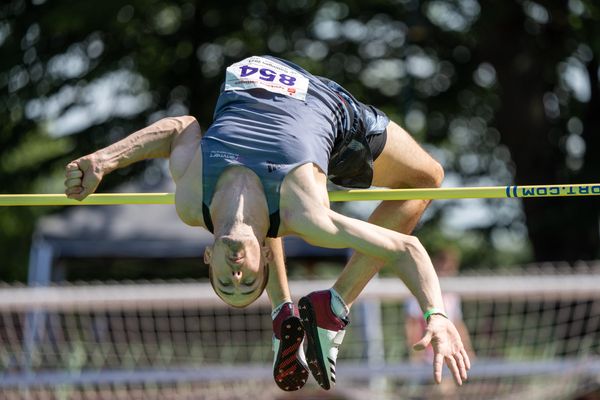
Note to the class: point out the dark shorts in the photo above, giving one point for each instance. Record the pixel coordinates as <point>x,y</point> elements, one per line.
<point>355,149</point>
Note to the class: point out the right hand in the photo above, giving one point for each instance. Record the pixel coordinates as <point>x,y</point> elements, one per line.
<point>447,347</point>
<point>82,177</point>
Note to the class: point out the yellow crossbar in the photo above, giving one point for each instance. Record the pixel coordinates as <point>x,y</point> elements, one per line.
<point>492,192</point>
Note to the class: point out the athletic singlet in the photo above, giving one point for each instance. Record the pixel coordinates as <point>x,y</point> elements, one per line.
<point>271,116</point>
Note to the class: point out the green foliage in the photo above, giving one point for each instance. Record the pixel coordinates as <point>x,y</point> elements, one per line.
<point>488,85</point>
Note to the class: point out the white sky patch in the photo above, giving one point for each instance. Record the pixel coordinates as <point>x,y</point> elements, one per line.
<point>68,65</point>
<point>576,7</point>
<point>464,214</point>
<point>415,120</point>
<point>468,214</point>
<point>5,31</point>
<point>385,75</point>
<point>420,66</point>
<point>118,94</point>
<point>574,76</point>
<point>575,146</point>
<point>327,30</point>
<point>536,12</point>
<point>453,16</point>
<point>354,30</point>
<point>485,75</point>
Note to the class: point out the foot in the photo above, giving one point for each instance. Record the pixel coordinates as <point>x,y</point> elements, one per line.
<point>324,333</point>
<point>289,366</point>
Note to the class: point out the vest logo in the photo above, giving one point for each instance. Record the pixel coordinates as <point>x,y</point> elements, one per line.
<point>223,154</point>
<point>272,167</point>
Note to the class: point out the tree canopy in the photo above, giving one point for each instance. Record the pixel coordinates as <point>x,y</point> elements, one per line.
<point>499,92</point>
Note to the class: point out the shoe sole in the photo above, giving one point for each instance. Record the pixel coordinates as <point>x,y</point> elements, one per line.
<point>289,373</point>
<point>314,354</point>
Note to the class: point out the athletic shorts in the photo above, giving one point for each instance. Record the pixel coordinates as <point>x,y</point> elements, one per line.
<point>355,149</point>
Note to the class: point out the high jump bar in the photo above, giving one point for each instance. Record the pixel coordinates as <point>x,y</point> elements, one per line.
<point>490,192</point>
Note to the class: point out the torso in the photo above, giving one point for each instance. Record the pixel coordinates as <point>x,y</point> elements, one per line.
<point>266,133</point>
<point>301,189</point>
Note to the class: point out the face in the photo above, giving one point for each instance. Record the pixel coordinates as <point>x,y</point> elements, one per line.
<point>238,269</point>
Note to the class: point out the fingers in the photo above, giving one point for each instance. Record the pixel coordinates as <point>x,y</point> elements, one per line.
<point>453,367</point>
<point>73,182</point>
<point>456,365</point>
<point>77,193</point>
<point>462,369</point>
<point>466,358</point>
<point>75,173</point>
<point>438,363</point>
<point>423,343</point>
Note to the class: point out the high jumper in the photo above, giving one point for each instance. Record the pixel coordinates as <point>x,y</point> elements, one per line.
<point>259,172</point>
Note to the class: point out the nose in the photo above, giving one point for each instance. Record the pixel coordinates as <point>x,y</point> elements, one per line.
<point>237,275</point>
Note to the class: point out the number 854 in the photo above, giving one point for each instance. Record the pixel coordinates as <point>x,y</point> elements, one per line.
<point>267,75</point>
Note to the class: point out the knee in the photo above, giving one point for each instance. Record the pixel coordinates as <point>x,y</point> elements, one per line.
<point>431,176</point>
<point>436,174</point>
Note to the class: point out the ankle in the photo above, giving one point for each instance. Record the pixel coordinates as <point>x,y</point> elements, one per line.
<point>338,306</point>
<point>280,314</point>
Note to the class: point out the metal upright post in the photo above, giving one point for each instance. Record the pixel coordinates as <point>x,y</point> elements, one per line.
<point>41,257</point>
<point>372,334</point>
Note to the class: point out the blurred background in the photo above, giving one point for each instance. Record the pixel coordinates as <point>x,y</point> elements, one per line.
<point>501,93</point>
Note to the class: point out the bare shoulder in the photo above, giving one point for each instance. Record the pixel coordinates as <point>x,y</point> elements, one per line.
<point>184,147</point>
<point>185,163</point>
<point>303,198</point>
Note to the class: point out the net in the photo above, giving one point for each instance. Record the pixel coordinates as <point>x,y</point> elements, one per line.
<point>535,334</point>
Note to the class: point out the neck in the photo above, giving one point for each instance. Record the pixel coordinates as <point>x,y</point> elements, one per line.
<point>239,206</point>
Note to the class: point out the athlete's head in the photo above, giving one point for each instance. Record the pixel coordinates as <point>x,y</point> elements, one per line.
<point>238,269</point>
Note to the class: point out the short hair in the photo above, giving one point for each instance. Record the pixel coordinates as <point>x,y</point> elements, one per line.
<point>260,289</point>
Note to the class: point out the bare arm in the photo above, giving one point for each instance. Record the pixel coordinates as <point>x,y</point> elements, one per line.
<point>322,227</point>
<point>154,141</point>
<point>277,287</point>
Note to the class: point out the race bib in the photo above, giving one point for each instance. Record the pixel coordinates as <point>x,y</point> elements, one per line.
<point>262,73</point>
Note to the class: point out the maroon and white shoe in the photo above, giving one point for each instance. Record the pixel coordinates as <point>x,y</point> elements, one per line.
<point>289,366</point>
<point>324,334</point>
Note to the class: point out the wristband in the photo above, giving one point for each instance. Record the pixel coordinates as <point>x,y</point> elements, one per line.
<point>434,311</point>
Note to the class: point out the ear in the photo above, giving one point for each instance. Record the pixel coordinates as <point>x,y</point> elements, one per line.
<point>207,254</point>
<point>268,254</point>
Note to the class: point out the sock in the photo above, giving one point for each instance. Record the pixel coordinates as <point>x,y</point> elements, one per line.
<point>338,306</point>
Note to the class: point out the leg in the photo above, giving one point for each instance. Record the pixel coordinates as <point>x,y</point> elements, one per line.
<point>325,329</point>
<point>413,168</point>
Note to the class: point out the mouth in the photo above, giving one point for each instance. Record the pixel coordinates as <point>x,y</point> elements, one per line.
<point>236,260</point>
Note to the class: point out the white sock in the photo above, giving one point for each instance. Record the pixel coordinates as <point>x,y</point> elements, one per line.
<point>338,306</point>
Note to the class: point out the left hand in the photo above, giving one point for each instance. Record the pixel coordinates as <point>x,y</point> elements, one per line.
<point>447,347</point>
<point>82,176</point>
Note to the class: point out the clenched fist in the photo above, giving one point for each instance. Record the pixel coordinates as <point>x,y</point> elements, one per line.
<point>82,177</point>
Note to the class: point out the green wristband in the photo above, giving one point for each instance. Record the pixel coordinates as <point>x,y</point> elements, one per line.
<point>434,311</point>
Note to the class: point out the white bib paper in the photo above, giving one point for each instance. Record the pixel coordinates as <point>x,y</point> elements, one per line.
<point>262,73</point>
